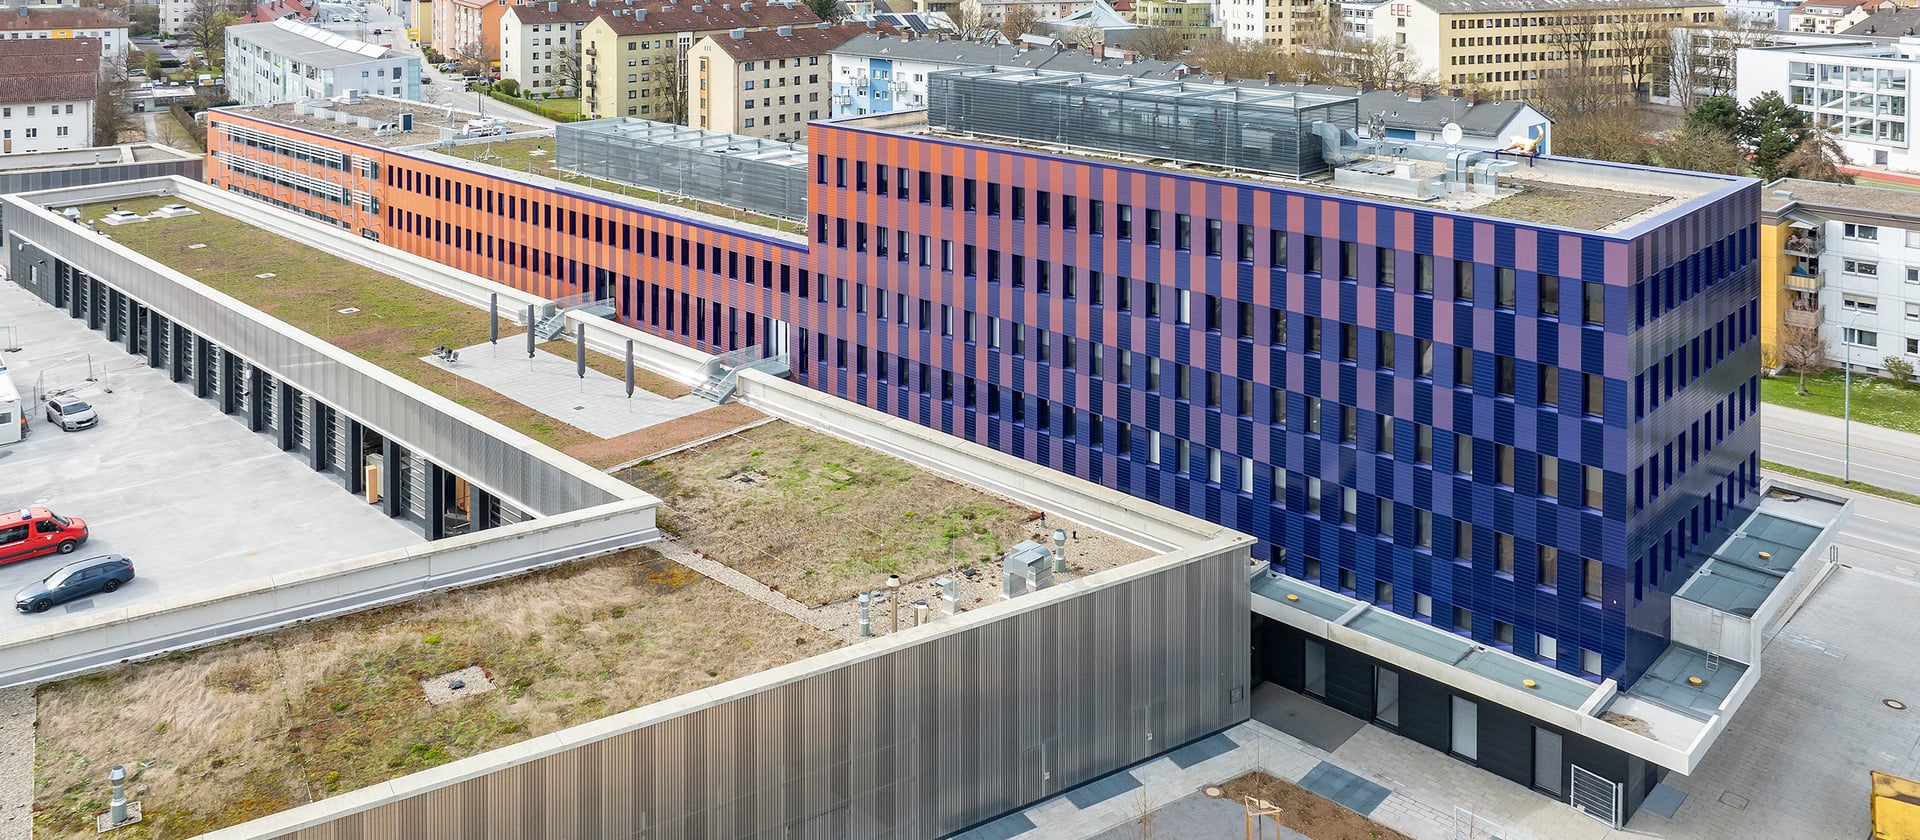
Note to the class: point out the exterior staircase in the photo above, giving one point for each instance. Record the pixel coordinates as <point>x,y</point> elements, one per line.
<point>723,371</point>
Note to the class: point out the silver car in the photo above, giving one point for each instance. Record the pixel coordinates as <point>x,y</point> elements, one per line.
<point>71,413</point>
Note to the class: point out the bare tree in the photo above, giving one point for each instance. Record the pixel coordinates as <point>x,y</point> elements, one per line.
<point>205,25</point>
<point>1817,157</point>
<point>672,78</point>
<point>1576,83</point>
<point>1640,37</point>
<point>1160,44</point>
<point>1252,59</point>
<point>1802,351</point>
<point>1703,149</point>
<point>1021,19</point>
<point>1356,61</point>
<point>966,19</point>
<point>567,70</point>
<point>112,105</point>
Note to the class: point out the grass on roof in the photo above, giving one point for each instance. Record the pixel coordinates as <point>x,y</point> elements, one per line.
<point>1585,208</point>
<point>256,726</point>
<point>396,322</point>
<point>535,155</point>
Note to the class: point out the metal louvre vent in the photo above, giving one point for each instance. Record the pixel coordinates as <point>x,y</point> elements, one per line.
<point>270,399</point>
<point>303,423</point>
<point>416,484</point>
<point>343,460</point>
<point>764,176</point>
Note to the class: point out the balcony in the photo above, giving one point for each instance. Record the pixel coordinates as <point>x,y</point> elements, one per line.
<point>1808,317</point>
<point>1800,279</point>
<point>590,82</point>
<point>1804,244</point>
<point>591,52</point>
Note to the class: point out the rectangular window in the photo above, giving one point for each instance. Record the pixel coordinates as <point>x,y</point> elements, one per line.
<point>1463,454</point>
<point>1245,240</point>
<point>1592,575</point>
<point>1383,517</point>
<point>1861,338</point>
<point>1213,237</point>
<point>1422,528</point>
<point>1593,399</point>
<point>1549,395</point>
<point>1594,482</point>
<point>1312,247</point>
<point>1423,274</point>
<point>1349,506</point>
<point>1866,233</point>
<point>1549,296</point>
<point>1423,605</point>
<point>1463,281</point>
<point>1384,259</point>
<point>1463,541</point>
<point>1153,447</point>
<point>1313,496</point>
<point>1069,213</point>
<point>1124,218</point>
<point>1463,367</point>
<point>1503,464</point>
<point>1546,647</point>
<point>1594,307</point>
<point>1350,261</point>
<point>1504,283</point>
<point>1153,227</point>
<point>1503,554</point>
<point>1277,494</point>
<point>1213,466</point>
<point>1246,475</point>
<point>1547,568</point>
<point>1383,434</point>
<point>1549,476</point>
<point>1423,444</point>
<point>1314,410</point>
<point>1182,232</point>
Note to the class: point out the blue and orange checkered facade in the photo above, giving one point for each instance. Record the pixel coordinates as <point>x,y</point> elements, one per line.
<point>1518,432</point>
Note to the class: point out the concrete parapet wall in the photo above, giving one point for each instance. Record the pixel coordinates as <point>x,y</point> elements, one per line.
<point>99,637</point>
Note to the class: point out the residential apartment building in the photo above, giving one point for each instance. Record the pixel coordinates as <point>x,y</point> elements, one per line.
<point>767,83</point>
<point>1516,46</point>
<point>424,16</point>
<point>290,61</point>
<point>47,90</point>
<point>1859,90</point>
<point>992,13</point>
<point>540,44</point>
<point>1506,441</point>
<point>1290,23</point>
<point>635,56</point>
<point>1188,20</point>
<point>469,30</point>
<point>1840,262</point>
<point>879,72</point>
<point>1826,17</point>
<point>106,28</point>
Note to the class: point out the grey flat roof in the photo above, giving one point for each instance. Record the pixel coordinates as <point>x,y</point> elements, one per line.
<point>1307,598</point>
<point>1750,563</point>
<point>1666,682</point>
<point>1565,690</point>
<point>321,49</point>
<point>1729,588</point>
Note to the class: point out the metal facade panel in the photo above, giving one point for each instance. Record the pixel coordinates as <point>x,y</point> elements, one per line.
<point>917,742</point>
<point>498,466</point>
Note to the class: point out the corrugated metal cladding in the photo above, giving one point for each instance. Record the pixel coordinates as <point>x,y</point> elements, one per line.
<point>501,467</point>
<point>916,743</point>
<point>80,176</point>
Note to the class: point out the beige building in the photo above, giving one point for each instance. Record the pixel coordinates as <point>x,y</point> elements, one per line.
<point>1290,23</point>
<point>1188,20</point>
<point>634,57</point>
<point>769,83</point>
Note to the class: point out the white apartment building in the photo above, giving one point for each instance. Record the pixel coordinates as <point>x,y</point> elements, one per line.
<point>1283,22</point>
<point>766,83</point>
<point>1859,89</point>
<point>47,88</point>
<point>1851,267</point>
<point>55,22</point>
<point>289,61</point>
<point>540,44</point>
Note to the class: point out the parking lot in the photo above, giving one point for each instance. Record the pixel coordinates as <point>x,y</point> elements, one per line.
<point>193,497</point>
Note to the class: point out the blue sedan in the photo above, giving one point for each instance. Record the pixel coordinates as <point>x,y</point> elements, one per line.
<point>105,573</point>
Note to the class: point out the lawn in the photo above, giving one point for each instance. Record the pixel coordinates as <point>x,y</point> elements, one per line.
<point>535,155</point>
<point>395,322</point>
<point>253,727</point>
<point>821,519</point>
<point>1586,208</point>
<point>1876,400</point>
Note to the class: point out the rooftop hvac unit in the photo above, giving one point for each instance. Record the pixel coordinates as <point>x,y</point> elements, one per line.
<point>1027,569</point>
<point>406,122</point>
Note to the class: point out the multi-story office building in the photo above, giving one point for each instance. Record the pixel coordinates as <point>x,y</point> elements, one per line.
<point>769,83</point>
<point>540,44</point>
<point>635,58</point>
<point>109,29</point>
<point>290,61</point>
<point>877,73</point>
<point>1488,454</point>
<point>47,89</point>
<point>1840,262</point>
<point>1520,47</point>
<point>1859,90</point>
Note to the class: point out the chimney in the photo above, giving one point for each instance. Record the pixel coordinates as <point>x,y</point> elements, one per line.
<point>1454,92</point>
<point>1300,79</point>
<point>1473,97</point>
<point>1220,78</point>
<point>1099,52</point>
<point>1416,93</point>
<point>1269,77</point>
<point>738,34</point>
<point>1366,85</point>
<point>784,31</point>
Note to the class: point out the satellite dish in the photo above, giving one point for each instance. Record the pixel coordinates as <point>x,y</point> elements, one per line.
<point>1451,134</point>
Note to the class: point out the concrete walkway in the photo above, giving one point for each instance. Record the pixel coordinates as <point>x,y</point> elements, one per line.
<point>597,404</point>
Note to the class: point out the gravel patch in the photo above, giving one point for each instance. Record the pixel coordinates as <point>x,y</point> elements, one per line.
<point>16,763</point>
<point>454,685</point>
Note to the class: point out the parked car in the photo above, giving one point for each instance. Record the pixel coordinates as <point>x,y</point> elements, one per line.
<point>31,532</point>
<point>71,413</point>
<point>171,44</point>
<point>106,573</point>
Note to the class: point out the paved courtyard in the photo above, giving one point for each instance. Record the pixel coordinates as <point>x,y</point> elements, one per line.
<point>192,496</point>
<point>597,404</point>
<point>1792,765</point>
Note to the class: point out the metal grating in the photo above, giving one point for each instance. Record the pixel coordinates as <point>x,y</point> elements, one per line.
<point>1199,122</point>
<point>764,176</point>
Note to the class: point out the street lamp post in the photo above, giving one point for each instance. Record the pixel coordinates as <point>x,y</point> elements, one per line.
<point>1846,402</point>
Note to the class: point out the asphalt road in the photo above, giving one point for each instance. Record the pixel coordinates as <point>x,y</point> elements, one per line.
<point>1880,456</point>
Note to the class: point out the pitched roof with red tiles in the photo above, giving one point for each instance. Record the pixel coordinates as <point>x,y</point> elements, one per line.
<point>654,19</point>
<point>27,18</point>
<point>770,43</point>
<point>49,69</point>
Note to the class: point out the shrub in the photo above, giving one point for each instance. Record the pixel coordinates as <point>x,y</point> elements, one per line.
<point>1899,368</point>
<point>510,87</point>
